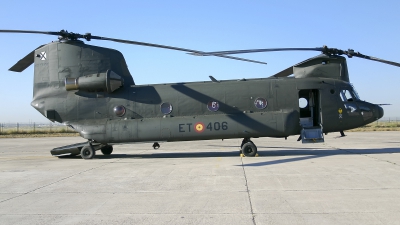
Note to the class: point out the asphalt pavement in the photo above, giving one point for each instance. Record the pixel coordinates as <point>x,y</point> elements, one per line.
<point>346,180</point>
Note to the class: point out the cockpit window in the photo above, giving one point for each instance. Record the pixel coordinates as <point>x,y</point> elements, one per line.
<point>349,95</point>
<point>346,96</point>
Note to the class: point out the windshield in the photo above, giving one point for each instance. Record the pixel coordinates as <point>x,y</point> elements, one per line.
<point>349,95</point>
<point>355,93</point>
<point>346,96</point>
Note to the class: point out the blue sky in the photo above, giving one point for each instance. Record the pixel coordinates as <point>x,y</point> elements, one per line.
<point>370,27</point>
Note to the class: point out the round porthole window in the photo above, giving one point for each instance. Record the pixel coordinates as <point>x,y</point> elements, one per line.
<point>260,103</point>
<point>213,106</point>
<point>303,103</point>
<point>119,110</point>
<point>166,108</point>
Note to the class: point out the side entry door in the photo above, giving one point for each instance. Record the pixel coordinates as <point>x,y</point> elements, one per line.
<point>310,116</point>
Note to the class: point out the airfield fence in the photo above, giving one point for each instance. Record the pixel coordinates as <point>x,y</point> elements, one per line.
<point>40,128</point>
<point>34,128</point>
<point>389,120</point>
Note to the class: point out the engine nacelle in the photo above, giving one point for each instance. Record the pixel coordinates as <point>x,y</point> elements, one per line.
<point>100,82</point>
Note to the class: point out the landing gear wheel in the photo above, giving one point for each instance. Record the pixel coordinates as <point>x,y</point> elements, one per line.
<point>156,145</point>
<point>88,152</point>
<point>249,149</point>
<point>107,150</point>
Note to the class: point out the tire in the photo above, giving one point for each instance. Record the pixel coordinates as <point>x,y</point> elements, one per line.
<point>243,142</point>
<point>156,145</point>
<point>249,149</point>
<point>88,152</point>
<point>107,150</point>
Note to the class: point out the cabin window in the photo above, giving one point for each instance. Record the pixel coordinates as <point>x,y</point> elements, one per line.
<point>303,103</point>
<point>213,106</point>
<point>260,103</point>
<point>119,110</point>
<point>166,108</point>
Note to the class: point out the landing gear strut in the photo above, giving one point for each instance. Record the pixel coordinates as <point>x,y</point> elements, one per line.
<point>248,148</point>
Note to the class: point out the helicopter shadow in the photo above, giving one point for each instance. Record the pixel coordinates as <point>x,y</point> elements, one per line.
<point>300,155</point>
<point>258,147</point>
<point>315,153</point>
<point>164,155</point>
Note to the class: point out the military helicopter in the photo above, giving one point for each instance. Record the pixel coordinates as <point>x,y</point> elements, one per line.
<point>90,89</point>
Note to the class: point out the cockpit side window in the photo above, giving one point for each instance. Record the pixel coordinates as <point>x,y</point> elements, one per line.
<point>349,97</point>
<point>346,96</point>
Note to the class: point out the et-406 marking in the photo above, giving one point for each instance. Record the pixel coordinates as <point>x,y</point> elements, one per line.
<point>199,127</point>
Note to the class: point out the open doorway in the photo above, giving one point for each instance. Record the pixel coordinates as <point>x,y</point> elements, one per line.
<point>309,108</point>
<point>310,116</point>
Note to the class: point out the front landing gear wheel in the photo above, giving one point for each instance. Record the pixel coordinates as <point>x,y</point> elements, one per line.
<point>156,145</point>
<point>249,149</point>
<point>107,150</point>
<point>244,141</point>
<point>87,152</point>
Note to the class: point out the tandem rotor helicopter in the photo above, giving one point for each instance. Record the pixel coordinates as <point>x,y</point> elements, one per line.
<point>90,89</point>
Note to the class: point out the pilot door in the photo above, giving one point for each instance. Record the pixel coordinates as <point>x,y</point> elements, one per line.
<point>310,116</point>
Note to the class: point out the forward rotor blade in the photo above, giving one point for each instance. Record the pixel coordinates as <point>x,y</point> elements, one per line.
<point>376,59</point>
<point>256,50</point>
<point>325,50</point>
<point>25,62</point>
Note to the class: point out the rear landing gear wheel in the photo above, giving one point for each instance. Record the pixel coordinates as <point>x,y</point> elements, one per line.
<point>107,150</point>
<point>249,149</point>
<point>87,152</point>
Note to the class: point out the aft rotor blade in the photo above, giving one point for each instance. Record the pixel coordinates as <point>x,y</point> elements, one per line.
<point>25,62</point>
<point>30,32</point>
<point>194,52</point>
<point>63,34</point>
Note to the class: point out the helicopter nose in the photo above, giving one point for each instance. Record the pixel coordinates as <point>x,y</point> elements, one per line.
<point>378,112</point>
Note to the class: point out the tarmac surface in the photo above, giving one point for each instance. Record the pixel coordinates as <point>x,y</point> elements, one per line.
<point>350,180</point>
